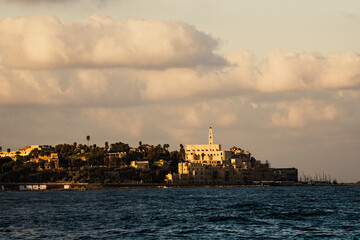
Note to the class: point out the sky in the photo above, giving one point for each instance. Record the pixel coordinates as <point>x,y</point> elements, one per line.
<point>278,78</point>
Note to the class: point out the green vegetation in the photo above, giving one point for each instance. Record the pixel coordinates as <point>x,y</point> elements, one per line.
<point>81,163</point>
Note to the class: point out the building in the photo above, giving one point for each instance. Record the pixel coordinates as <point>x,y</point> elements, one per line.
<point>208,154</point>
<point>162,164</point>
<point>208,164</point>
<point>25,151</point>
<point>144,165</point>
<point>117,155</point>
<point>116,159</point>
<point>50,162</point>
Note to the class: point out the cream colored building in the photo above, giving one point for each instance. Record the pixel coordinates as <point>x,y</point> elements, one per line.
<point>51,161</point>
<point>208,164</point>
<point>11,154</point>
<point>117,155</point>
<point>209,154</point>
<point>140,164</point>
<point>25,151</point>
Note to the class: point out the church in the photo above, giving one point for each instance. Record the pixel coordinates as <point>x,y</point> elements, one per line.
<point>208,154</point>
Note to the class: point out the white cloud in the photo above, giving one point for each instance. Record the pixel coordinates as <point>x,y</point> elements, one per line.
<point>47,42</point>
<point>127,86</point>
<point>151,79</point>
<point>280,72</point>
<point>299,113</point>
<point>103,61</point>
<point>287,71</point>
<point>69,87</point>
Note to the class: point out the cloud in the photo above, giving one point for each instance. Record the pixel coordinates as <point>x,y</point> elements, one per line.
<point>299,113</point>
<point>350,15</point>
<point>102,61</point>
<point>69,87</point>
<point>280,72</point>
<point>133,86</point>
<point>254,105</point>
<point>35,2</point>
<point>46,42</point>
<point>287,71</point>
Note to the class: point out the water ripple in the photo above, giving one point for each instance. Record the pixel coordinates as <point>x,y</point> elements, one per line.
<point>178,213</point>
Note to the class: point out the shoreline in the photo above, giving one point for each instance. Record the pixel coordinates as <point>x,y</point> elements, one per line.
<point>31,187</point>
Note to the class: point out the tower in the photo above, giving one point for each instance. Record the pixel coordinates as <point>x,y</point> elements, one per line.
<point>211,139</point>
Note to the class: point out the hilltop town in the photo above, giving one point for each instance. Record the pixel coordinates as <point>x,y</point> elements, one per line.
<point>209,164</point>
<point>118,163</point>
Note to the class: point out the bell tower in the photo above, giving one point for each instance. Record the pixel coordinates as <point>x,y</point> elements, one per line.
<point>211,139</point>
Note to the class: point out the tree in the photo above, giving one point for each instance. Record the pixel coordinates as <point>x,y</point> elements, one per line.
<point>182,152</point>
<point>175,158</point>
<point>34,153</point>
<point>75,145</point>
<point>95,156</point>
<point>119,147</point>
<point>106,146</point>
<point>88,139</point>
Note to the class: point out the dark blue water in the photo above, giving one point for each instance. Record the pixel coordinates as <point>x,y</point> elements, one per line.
<point>178,213</point>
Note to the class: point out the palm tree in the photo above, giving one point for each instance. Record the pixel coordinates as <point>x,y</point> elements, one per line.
<point>88,139</point>
<point>182,152</point>
<point>106,146</point>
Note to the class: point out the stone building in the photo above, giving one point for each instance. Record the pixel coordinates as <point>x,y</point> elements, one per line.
<point>208,164</point>
<point>50,162</point>
<point>144,165</point>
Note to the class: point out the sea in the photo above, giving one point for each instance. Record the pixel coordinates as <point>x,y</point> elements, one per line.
<point>299,212</point>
